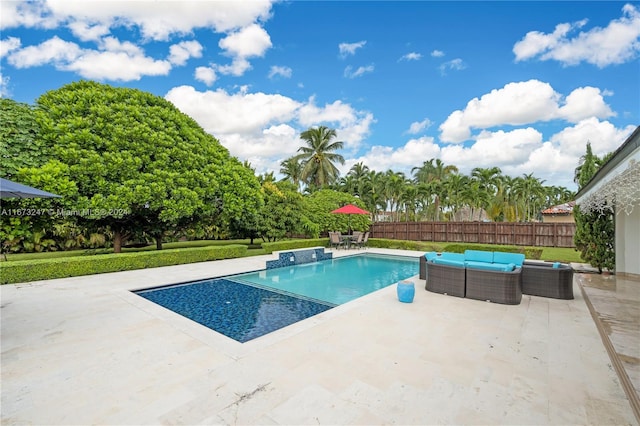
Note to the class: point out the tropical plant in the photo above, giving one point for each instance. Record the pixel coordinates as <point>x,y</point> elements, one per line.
<point>318,157</point>
<point>291,169</point>
<point>595,232</point>
<point>434,172</point>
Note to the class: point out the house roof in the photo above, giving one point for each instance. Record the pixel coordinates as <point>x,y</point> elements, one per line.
<point>566,208</point>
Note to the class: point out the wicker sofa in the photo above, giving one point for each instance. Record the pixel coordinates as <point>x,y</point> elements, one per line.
<point>547,279</point>
<point>476,274</point>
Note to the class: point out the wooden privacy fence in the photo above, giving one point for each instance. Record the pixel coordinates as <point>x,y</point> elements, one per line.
<point>507,233</point>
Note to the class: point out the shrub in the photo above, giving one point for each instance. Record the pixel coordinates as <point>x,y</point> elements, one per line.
<point>401,244</point>
<point>294,244</point>
<point>529,252</point>
<point>46,269</point>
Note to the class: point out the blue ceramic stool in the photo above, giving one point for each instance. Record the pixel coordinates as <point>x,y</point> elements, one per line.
<point>406,291</point>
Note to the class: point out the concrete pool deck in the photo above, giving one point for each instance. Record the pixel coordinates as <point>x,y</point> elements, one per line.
<point>86,350</point>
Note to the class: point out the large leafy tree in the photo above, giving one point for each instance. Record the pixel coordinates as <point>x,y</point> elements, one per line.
<point>139,164</point>
<point>20,144</point>
<point>318,156</point>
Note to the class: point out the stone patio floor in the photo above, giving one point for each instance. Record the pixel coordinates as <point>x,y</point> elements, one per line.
<point>86,350</point>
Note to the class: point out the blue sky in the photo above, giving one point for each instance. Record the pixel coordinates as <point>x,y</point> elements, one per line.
<point>518,85</point>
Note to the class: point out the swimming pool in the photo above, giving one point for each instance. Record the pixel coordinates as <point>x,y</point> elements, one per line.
<point>336,281</point>
<point>246,306</point>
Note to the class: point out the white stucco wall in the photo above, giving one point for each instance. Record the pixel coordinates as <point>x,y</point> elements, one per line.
<point>628,242</point>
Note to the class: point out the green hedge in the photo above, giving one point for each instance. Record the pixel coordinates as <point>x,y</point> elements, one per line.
<point>294,244</point>
<point>401,244</point>
<point>529,252</point>
<point>45,269</point>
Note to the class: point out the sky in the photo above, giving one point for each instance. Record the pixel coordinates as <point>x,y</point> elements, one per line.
<point>518,85</point>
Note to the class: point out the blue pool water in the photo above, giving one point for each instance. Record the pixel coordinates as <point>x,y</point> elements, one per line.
<point>247,306</point>
<point>339,280</point>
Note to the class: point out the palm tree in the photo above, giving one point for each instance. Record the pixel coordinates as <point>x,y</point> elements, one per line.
<point>533,191</point>
<point>435,172</point>
<point>318,157</point>
<point>291,168</point>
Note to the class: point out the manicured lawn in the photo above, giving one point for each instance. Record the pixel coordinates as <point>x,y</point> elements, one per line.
<point>558,254</point>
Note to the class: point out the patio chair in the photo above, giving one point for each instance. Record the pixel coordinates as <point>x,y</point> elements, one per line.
<point>365,240</point>
<point>336,240</point>
<point>357,239</point>
<point>362,240</point>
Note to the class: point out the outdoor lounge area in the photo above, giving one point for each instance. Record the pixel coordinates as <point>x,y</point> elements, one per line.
<point>85,350</point>
<point>494,276</point>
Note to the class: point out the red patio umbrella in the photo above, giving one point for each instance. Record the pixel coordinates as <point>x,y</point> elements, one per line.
<point>350,209</point>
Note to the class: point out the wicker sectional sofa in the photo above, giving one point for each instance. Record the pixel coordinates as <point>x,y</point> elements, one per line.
<point>476,274</point>
<point>494,276</point>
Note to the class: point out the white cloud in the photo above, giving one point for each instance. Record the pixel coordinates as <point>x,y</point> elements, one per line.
<point>454,64</point>
<point>556,159</point>
<point>219,112</point>
<point>418,126</point>
<point>603,136</point>
<point>180,53</point>
<point>29,14</point>
<point>585,102</point>
<point>236,68</point>
<point>250,41</point>
<point>92,20</point>
<point>117,66</point>
<point>337,112</point>
<point>437,53</point>
<point>522,103</point>
<point>54,50</point>
<point>412,56</point>
<point>347,49</point>
<point>86,31</point>
<point>282,71</point>
<point>8,45</point>
<point>157,20</point>
<point>617,43</point>
<point>121,61</point>
<point>402,159</point>
<point>359,72</point>
<point>247,42</point>
<point>207,75</point>
<point>490,149</point>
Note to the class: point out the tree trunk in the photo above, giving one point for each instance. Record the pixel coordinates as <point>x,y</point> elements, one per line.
<point>117,241</point>
<point>158,243</point>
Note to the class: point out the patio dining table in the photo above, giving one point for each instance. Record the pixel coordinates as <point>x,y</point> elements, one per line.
<point>349,239</point>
